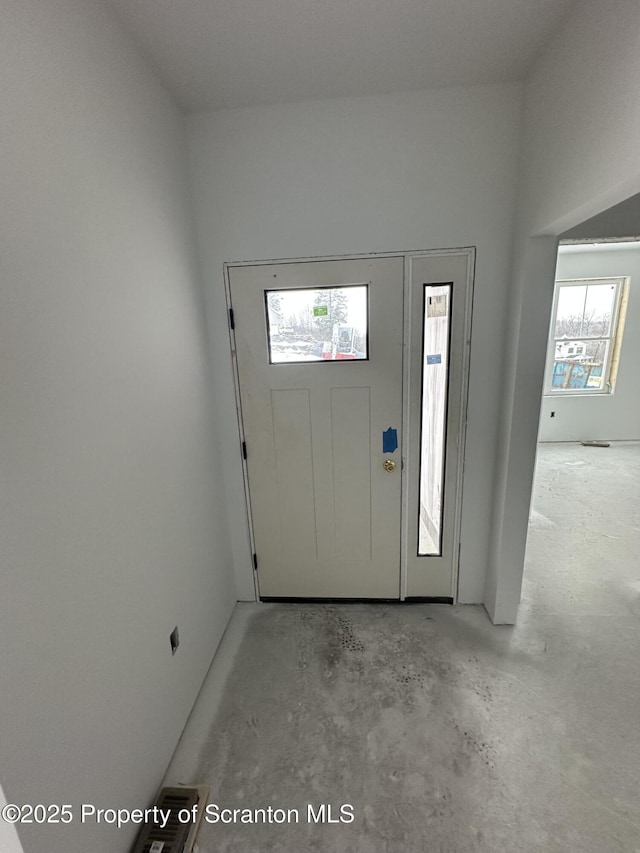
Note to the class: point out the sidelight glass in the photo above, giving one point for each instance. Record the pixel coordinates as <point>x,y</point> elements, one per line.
<point>433,432</point>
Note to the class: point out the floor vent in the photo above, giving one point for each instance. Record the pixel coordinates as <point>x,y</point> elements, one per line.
<point>176,836</point>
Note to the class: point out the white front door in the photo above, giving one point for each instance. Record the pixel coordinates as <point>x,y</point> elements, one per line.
<point>344,500</point>
<point>319,355</point>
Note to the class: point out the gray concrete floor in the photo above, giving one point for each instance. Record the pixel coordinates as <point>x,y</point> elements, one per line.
<point>444,732</point>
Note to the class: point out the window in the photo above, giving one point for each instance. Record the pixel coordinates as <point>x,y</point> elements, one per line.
<point>586,333</point>
<point>317,324</point>
<point>435,381</point>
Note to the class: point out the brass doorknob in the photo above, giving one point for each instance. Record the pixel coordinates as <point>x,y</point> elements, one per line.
<point>389,465</point>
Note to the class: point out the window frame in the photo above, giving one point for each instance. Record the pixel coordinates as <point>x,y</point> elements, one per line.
<point>612,340</point>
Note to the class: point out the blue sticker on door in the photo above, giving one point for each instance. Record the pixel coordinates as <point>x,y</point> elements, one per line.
<point>389,440</point>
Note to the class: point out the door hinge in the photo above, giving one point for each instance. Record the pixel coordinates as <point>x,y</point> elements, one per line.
<point>244,449</point>
<point>255,562</point>
<point>232,323</point>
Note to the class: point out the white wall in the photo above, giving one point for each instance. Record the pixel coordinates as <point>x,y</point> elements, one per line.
<point>579,157</point>
<point>113,514</point>
<point>582,118</point>
<point>9,841</point>
<point>606,416</point>
<point>421,170</point>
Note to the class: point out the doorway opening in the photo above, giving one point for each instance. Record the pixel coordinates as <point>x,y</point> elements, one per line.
<point>585,499</point>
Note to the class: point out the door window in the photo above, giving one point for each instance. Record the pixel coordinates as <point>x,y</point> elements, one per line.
<point>317,324</point>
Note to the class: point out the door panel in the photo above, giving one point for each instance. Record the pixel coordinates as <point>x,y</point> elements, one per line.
<point>350,436</point>
<point>325,512</point>
<point>291,424</point>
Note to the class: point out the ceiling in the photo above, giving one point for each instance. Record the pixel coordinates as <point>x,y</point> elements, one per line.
<point>621,220</point>
<point>214,54</point>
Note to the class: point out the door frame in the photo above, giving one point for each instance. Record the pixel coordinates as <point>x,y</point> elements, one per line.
<point>410,385</point>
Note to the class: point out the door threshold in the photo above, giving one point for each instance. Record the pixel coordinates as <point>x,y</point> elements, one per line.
<point>428,599</point>
<point>290,599</point>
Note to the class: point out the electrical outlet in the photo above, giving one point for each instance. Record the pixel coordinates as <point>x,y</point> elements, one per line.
<point>174,637</point>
